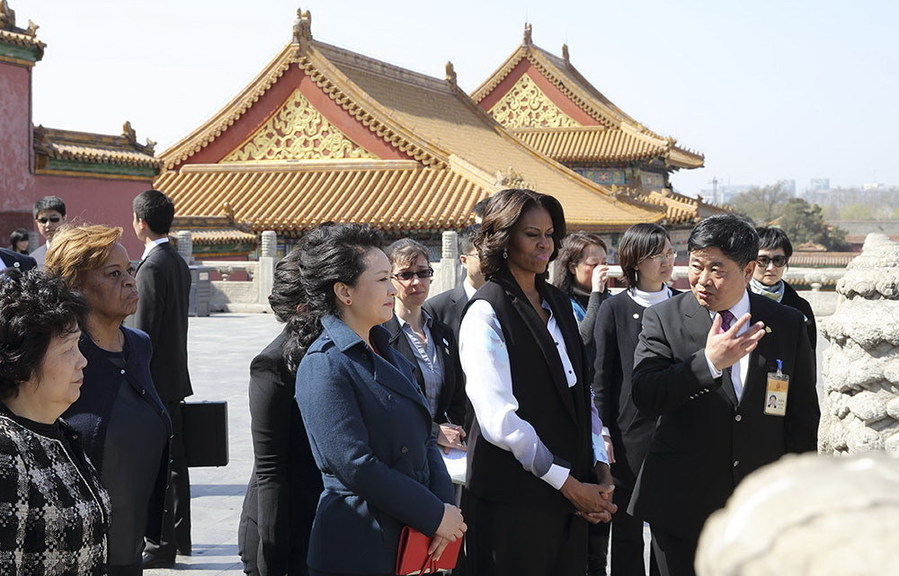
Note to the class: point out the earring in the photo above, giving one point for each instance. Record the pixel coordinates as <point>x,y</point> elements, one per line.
<point>505,254</point>
<point>348,301</point>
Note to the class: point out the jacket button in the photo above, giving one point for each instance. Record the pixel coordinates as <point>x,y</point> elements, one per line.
<point>122,371</point>
<point>738,417</point>
<point>404,449</point>
<point>736,463</point>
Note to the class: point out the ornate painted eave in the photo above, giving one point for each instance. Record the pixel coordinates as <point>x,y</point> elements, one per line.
<point>562,74</point>
<point>88,154</point>
<point>17,45</point>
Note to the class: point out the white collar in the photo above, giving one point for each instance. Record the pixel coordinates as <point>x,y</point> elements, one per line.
<point>738,309</point>
<point>153,244</point>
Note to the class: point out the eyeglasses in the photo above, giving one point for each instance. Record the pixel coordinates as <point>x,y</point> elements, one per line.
<point>45,219</point>
<point>779,261</point>
<point>669,255</point>
<point>407,275</point>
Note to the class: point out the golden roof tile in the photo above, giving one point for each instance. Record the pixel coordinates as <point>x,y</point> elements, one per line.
<point>569,82</point>
<point>65,147</point>
<point>23,46</point>
<point>457,155</point>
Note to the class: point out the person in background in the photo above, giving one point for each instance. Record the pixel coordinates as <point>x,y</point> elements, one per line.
<point>49,214</point>
<point>279,506</point>
<point>163,281</point>
<point>55,509</point>
<point>119,416</point>
<point>18,241</point>
<point>449,305</point>
<point>534,455</point>
<point>427,343</point>
<point>368,423</point>
<point>647,262</point>
<point>580,271</point>
<point>703,366</point>
<point>775,251</point>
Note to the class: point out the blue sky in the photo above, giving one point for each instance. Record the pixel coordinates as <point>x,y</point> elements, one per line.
<point>767,90</point>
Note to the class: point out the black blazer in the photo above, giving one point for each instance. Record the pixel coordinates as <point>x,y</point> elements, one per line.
<point>706,442</point>
<point>13,259</point>
<point>285,485</point>
<point>452,399</point>
<point>448,307</point>
<point>163,282</point>
<point>794,300</point>
<point>615,335</point>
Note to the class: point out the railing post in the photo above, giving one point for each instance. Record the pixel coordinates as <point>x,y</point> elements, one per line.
<point>265,276</point>
<point>447,276</point>
<point>185,246</point>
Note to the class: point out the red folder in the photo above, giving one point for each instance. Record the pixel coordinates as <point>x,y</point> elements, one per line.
<point>412,556</point>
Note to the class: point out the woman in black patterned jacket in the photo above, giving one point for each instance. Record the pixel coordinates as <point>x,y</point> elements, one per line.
<point>55,511</point>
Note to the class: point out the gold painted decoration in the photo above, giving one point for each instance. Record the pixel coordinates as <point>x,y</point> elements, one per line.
<point>298,132</point>
<point>525,105</point>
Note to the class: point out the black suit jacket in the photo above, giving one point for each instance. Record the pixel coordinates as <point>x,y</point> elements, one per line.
<point>615,334</point>
<point>283,492</point>
<point>706,442</point>
<point>794,300</point>
<point>13,259</point>
<point>448,307</point>
<point>452,396</point>
<point>163,282</point>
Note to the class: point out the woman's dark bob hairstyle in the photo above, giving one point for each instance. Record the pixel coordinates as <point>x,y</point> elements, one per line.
<point>36,307</point>
<point>504,210</point>
<point>638,243</point>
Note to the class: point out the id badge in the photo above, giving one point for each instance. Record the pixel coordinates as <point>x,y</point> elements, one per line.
<point>776,392</point>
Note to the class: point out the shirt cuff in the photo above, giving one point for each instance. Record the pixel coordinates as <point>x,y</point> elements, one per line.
<point>556,476</point>
<point>599,449</point>
<point>712,370</point>
<point>606,431</point>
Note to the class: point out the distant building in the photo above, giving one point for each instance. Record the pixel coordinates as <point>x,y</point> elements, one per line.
<point>96,174</point>
<point>819,185</point>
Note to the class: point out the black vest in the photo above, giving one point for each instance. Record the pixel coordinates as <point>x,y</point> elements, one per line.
<point>559,414</point>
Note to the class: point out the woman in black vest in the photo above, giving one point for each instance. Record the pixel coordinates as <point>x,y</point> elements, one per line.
<point>533,461</point>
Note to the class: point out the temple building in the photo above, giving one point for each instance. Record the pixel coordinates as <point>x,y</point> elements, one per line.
<point>325,134</point>
<point>543,100</point>
<point>96,175</point>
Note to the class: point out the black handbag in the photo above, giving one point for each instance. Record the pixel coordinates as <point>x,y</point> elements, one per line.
<point>205,433</point>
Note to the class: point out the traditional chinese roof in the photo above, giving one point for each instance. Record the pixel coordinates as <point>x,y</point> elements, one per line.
<point>17,45</point>
<point>325,134</point>
<point>681,210</point>
<point>546,102</point>
<point>97,155</point>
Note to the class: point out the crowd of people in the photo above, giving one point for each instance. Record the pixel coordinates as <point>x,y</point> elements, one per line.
<point>582,414</point>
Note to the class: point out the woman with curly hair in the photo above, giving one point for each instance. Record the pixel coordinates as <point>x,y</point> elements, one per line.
<point>55,510</point>
<point>281,497</point>
<point>368,423</point>
<point>123,424</point>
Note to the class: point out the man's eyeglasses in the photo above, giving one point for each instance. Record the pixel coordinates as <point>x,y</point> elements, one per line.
<point>669,255</point>
<point>779,261</point>
<point>407,275</point>
<point>45,219</point>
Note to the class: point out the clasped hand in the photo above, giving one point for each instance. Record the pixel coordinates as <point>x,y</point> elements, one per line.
<point>451,528</point>
<point>724,349</point>
<point>592,502</point>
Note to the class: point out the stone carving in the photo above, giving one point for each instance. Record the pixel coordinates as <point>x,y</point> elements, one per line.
<point>525,105</point>
<point>860,400</point>
<point>297,131</point>
<point>808,514</point>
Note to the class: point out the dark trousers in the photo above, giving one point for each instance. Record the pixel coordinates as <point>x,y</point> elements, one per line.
<point>176,521</point>
<point>506,540</point>
<point>627,540</point>
<point>130,570</point>
<point>597,548</point>
<point>675,554</point>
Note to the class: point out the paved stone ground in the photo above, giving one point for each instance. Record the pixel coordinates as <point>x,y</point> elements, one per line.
<point>221,347</point>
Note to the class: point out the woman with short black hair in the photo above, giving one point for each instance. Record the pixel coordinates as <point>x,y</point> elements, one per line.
<point>55,510</point>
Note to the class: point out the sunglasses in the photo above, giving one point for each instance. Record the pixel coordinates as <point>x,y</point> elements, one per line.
<point>778,261</point>
<point>45,219</point>
<point>408,275</point>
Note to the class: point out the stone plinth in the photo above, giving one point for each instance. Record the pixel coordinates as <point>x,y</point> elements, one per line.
<point>860,401</point>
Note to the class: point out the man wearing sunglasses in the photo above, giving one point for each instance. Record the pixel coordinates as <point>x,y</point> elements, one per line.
<point>775,250</point>
<point>49,214</point>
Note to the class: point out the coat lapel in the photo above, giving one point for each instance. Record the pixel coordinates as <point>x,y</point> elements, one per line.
<point>698,322</point>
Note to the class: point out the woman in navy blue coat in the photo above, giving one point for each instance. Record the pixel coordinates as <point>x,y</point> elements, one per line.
<point>368,423</point>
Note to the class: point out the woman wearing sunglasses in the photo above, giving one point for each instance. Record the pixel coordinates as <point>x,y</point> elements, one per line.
<point>426,342</point>
<point>775,250</point>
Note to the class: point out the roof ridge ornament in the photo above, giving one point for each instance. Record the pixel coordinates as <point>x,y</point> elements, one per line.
<point>527,34</point>
<point>565,54</point>
<point>7,16</point>
<point>450,73</point>
<point>302,28</point>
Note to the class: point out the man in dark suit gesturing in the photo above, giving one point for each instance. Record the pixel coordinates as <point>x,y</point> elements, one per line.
<point>707,363</point>
<point>163,282</point>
